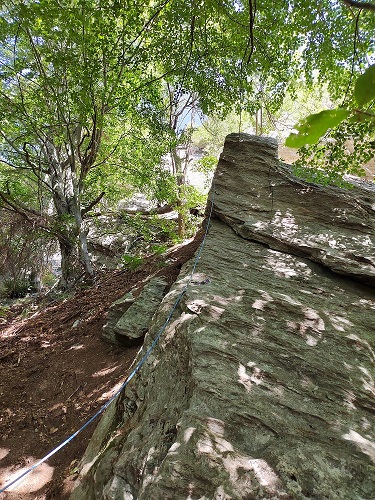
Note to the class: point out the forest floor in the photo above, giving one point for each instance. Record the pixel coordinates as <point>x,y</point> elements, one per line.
<point>56,372</point>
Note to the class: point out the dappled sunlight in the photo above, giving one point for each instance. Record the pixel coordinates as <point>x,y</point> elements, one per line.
<point>10,331</point>
<point>214,447</point>
<point>363,241</point>
<point>171,328</point>
<point>310,328</point>
<point>30,483</point>
<point>260,303</point>
<point>76,347</point>
<point>360,344</point>
<point>224,301</point>
<point>365,445</point>
<point>264,473</point>
<point>105,371</point>
<point>255,378</point>
<point>213,442</point>
<point>216,426</point>
<point>216,305</point>
<point>367,380</point>
<point>57,406</point>
<point>242,469</point>
<point>338,322</point>
<point>364,302</point>
<point>237,464</point>
<point>86,467</point>
<point>349,400</point>
<point>286,224</point>
<point>188,432</point>
<point>107,395</point>
<point>173,449</point>
<point>286,265</point>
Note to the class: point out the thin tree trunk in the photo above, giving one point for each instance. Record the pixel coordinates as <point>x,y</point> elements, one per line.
<point>69,262</point>
<point>180,180</point>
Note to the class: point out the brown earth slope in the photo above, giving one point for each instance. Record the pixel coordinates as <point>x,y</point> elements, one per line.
<point>56,372</point>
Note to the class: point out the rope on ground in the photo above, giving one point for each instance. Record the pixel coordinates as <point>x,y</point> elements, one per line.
<point>136,369</point>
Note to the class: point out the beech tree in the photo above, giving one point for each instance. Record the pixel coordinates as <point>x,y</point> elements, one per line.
<point>77,77</point>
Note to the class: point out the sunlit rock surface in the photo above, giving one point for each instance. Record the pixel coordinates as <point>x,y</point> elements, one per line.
<point>263,384</point>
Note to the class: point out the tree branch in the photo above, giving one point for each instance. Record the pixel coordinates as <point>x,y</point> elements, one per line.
<point>360,5</point>
<point>92,204</point>
<point>18,206</point>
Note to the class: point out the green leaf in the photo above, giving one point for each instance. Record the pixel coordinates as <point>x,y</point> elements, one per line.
<point>311,129</point>
<point>364,90</point>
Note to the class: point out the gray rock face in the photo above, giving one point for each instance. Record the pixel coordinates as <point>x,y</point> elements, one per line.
<point>116,311</point>
<point>262,201</point>
<point>129,318</point>
<point>263,384</point>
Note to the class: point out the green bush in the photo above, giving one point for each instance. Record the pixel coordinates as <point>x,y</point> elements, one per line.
<point>15,288</point>
<point>131,262</point>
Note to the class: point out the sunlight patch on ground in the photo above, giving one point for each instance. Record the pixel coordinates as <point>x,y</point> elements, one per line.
<point>33,481</point>
<point>105,371</point>
<point>4,452</point>
<point>11,331</point>
<point>106,395</point>
<point>76,347</point>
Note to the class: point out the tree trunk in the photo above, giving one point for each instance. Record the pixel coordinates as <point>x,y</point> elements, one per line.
<point>75,258</point>
<point>84,255</point>
<point>180,175</point>
<point>70,268</point>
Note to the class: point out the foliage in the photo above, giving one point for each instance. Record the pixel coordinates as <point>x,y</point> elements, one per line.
<point>211,134</point>
<point>23,252</point>
<point>15,288</point>
<point>316,125</point>
<point>131,262</point>
<point>83,92</point>
<point>159,249</point>
<point>337,156</point>
<point>356,124</point>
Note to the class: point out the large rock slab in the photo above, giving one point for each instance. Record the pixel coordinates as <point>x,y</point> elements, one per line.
<point>263,384</point>
<point>262,201</point>
<point>129,317</point>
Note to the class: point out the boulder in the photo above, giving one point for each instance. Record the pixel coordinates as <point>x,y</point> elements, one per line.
<point>263,201</point>
<point>116,311</point>
<point>129,318</point>
<point>263,383</point>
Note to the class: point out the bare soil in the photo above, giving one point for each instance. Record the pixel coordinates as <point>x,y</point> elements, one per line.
<point>56,372</point>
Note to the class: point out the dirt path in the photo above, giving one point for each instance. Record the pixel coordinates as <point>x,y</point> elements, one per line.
<point>55,373</point>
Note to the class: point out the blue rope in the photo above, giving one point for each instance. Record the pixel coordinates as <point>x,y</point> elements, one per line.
<point>136,369</point>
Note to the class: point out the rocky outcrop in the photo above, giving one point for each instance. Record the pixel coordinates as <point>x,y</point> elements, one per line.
<point>129,318</point>
<point>263,383</point>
